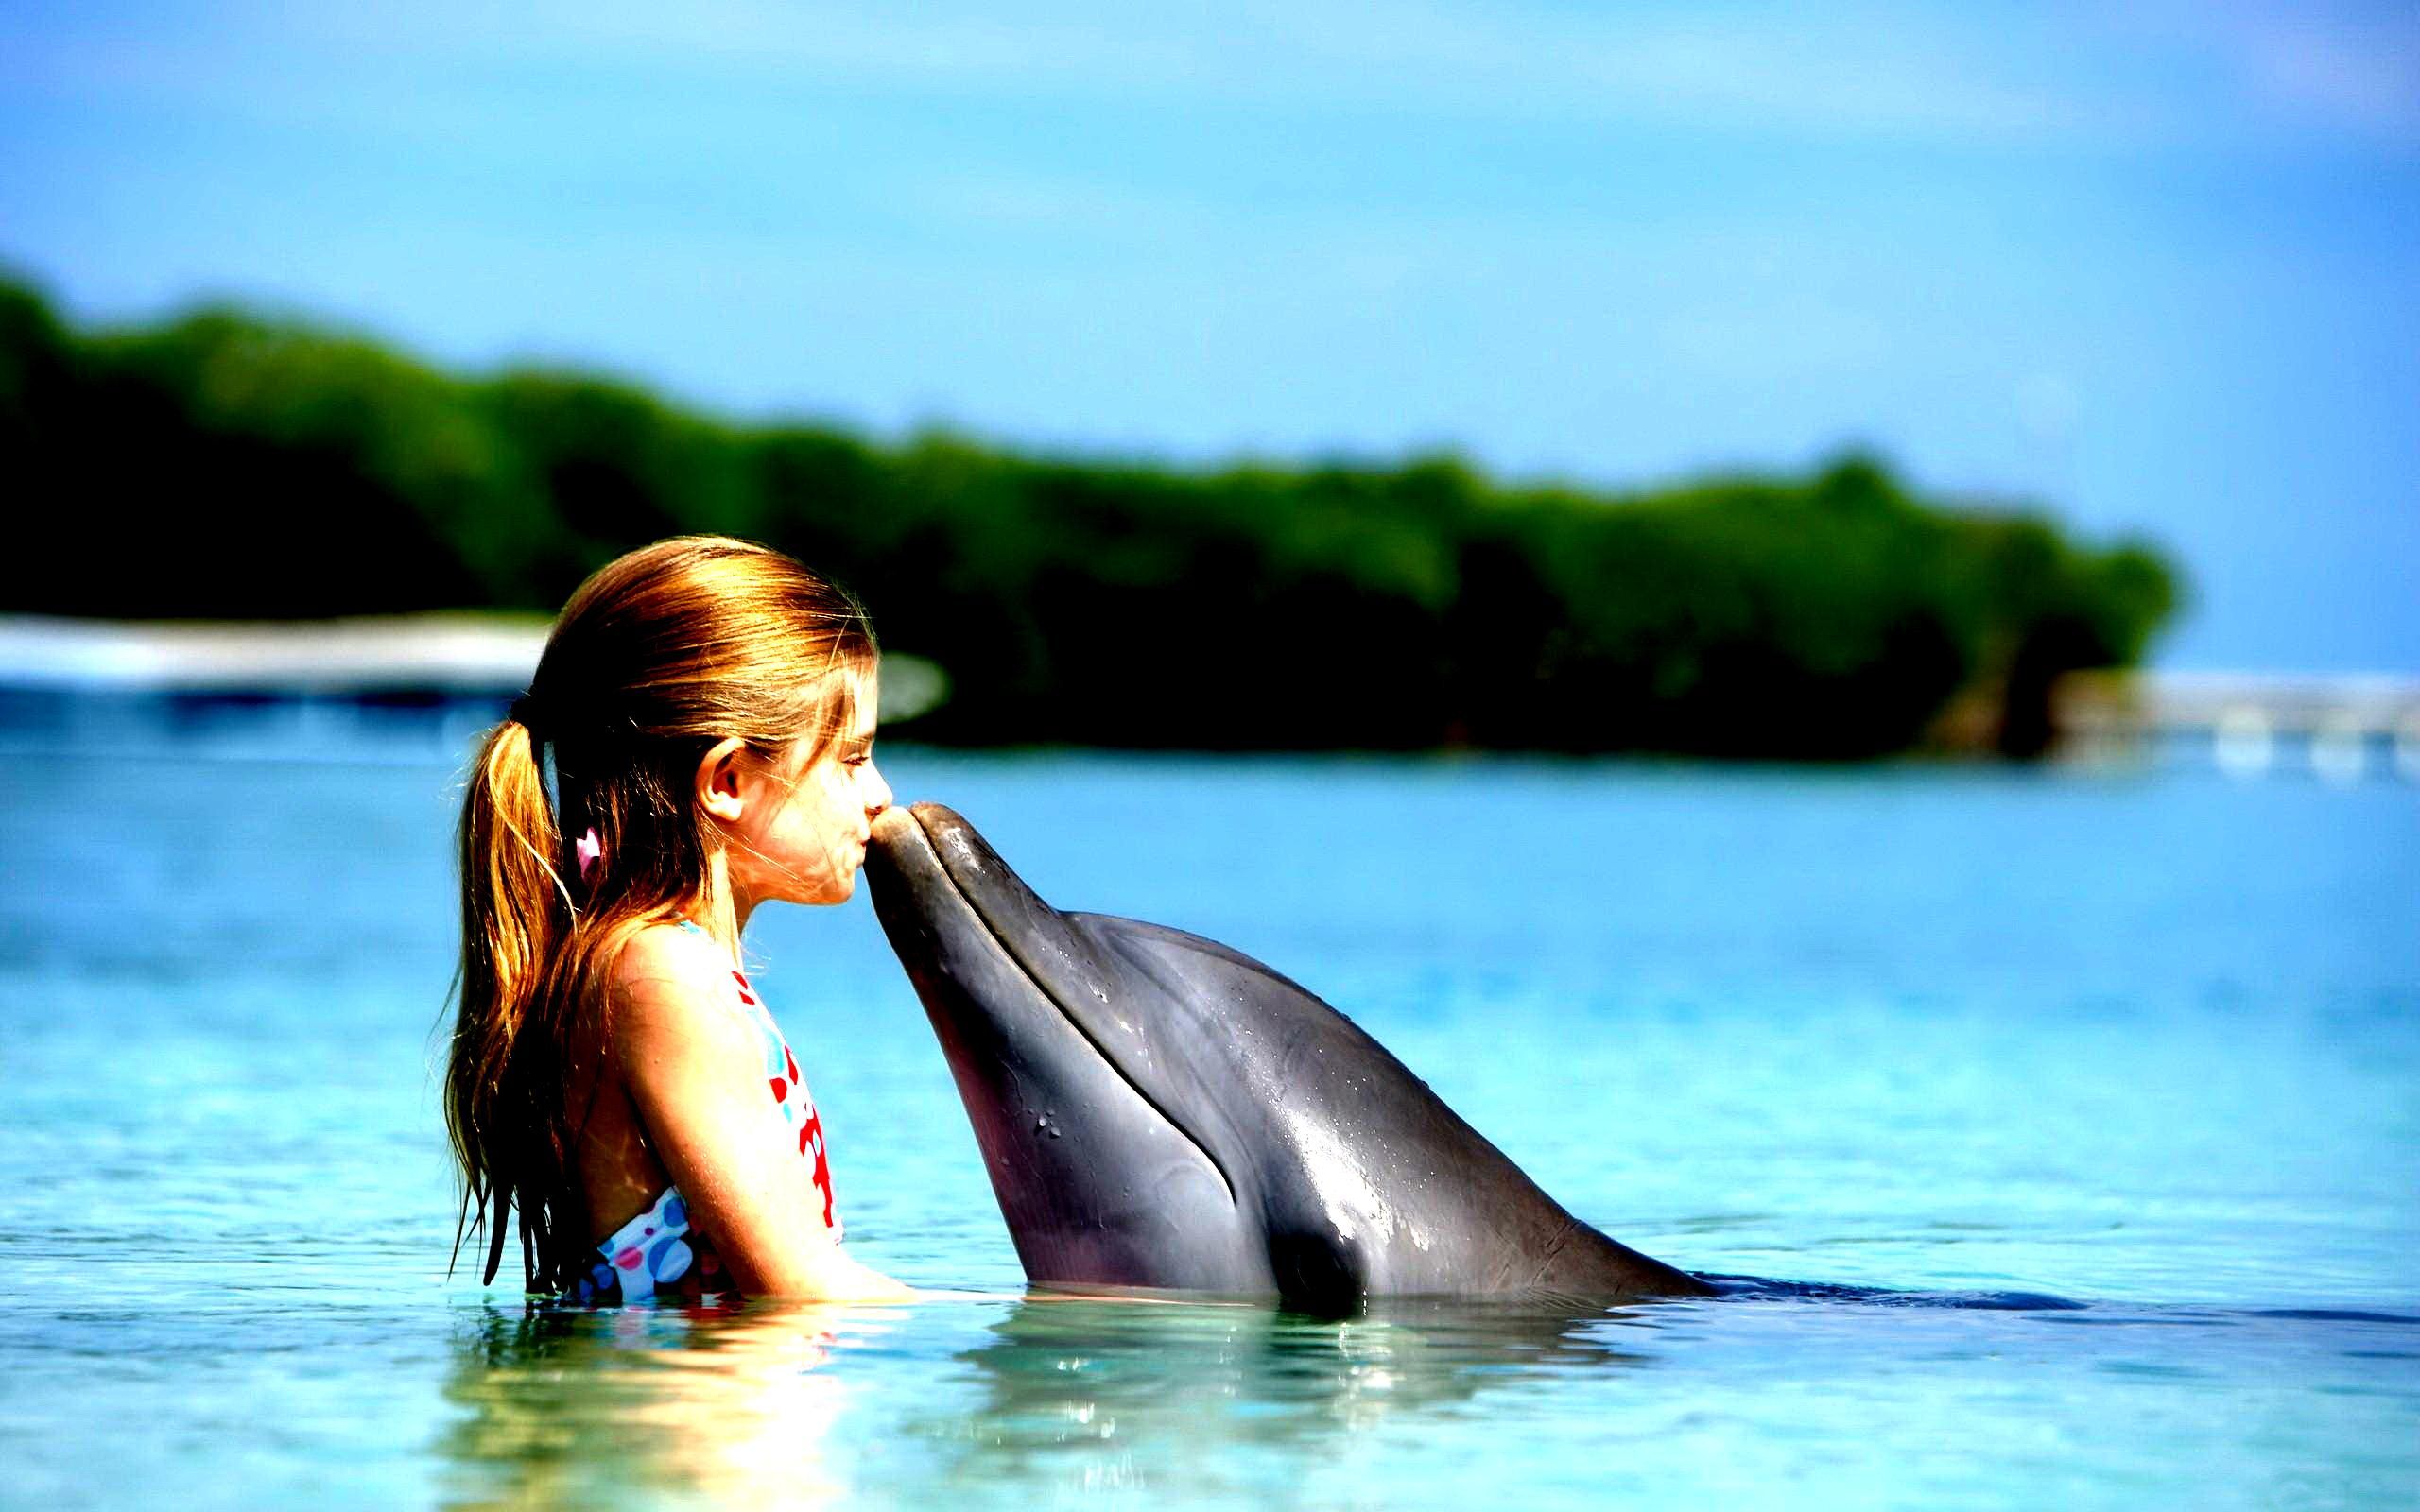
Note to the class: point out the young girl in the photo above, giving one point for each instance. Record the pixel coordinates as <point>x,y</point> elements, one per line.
<point>614,1077</point>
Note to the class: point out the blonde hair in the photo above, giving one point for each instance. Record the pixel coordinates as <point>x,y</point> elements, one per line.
<point>658,655</point>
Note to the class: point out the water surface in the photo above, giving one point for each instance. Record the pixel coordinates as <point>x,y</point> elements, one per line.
<point>2149,1044</point>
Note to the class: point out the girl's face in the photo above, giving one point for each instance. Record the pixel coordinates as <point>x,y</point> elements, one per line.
<point>803,822</point>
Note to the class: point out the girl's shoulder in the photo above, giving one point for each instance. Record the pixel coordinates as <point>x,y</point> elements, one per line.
<point>673,948</point>
<point>672,971</point>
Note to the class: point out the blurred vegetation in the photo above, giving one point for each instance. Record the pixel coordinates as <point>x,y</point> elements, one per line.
<point>227,465</point>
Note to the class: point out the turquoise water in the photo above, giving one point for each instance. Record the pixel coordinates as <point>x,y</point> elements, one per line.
<point>2148,1044</point>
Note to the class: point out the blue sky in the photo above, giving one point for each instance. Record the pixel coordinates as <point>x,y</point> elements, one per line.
<point>2157,265</point>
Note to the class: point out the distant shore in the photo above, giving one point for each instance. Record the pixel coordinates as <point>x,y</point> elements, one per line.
<point>2338,727</point>
<point>1833,611</point>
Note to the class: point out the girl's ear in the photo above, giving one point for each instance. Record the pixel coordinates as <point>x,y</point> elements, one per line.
<point>718,779</point>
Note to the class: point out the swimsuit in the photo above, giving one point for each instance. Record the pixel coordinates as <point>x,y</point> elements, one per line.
<point>652,1249</point>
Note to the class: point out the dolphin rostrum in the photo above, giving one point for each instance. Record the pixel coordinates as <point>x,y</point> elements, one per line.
<point>1159,1110</point>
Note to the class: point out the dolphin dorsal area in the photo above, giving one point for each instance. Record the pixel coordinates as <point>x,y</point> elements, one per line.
<point>1157,1109</point>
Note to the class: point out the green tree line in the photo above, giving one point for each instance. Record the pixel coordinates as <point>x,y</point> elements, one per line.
<point>223,464</point>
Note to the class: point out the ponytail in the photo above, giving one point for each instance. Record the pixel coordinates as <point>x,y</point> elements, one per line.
<point>516,911</point>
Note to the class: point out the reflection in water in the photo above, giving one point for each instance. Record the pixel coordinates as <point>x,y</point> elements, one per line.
<point>1082,1395</point>
<point>587,1408</point>
<point>639,1406</point>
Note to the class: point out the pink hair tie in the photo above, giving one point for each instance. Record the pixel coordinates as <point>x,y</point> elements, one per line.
<point>590,850</point>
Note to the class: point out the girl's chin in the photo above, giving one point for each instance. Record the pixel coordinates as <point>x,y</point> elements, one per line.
<point>838,891</point>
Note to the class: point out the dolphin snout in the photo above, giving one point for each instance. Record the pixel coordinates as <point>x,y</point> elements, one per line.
<point>893,825</point>
<point>938,863</point>
<point>929,823</point>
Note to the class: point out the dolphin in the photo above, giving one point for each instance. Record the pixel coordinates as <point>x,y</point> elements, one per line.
<point>1158,1110</point>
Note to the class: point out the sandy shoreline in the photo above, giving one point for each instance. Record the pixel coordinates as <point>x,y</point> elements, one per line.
<point>468,653</point>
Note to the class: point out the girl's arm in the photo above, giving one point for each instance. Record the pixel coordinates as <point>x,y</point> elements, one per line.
<point>690,1065</point>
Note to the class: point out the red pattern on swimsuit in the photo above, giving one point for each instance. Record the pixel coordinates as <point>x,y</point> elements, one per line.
<point>798,1109</point>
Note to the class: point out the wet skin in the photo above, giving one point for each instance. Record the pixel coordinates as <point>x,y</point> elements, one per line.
<point>1159,1110</point>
